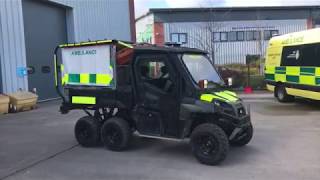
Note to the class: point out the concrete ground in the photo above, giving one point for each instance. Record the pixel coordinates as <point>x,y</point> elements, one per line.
<point>40,145</point>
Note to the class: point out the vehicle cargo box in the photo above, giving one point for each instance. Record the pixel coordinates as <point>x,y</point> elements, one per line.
<point>4,104</point>
<point>22,101</point>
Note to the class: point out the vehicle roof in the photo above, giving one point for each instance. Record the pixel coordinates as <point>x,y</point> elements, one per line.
<point>136,47</point>
<point>168,49</point>
<point>310,36</point>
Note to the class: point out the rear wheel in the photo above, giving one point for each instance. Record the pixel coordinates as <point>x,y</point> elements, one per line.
<point>209,143</point>
<point>281,94</point>
<point>116,134</point>
<point>87,131</point>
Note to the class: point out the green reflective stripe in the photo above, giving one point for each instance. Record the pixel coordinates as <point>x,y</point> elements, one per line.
<point>307,71</point>
<point>294,79</point>
<point>87,79</point>
<point>317,80</point>
<point>83,100</point>
<point>226,96</point>
<point>92,78</point>
<point>210,97</point>
<point>269,77</point>
<point>293,74</point>
<point>74,78</point>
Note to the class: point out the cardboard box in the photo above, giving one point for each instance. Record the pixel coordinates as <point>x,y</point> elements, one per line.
<point>4,104</point>
<point>22,101</point>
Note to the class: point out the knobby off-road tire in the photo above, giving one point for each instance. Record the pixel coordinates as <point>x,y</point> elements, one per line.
<point>209,144</point>
<point>116,134</point>
<point>281,94</point>
<point>244,138</point>
<point>87,131</point>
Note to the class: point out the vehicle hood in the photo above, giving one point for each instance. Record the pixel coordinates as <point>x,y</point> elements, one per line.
<point>225,96</point>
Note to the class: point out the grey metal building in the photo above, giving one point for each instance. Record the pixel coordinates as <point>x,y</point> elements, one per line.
<point>31,29</point>
<point>229,33</point>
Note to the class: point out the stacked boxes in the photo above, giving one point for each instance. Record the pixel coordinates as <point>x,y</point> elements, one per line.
<point>4,104</point>
<point>22,101</point>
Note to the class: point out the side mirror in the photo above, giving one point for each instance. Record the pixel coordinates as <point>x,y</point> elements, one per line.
<point>203,84</point>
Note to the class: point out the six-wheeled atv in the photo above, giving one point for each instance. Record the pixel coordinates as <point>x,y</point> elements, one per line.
<point>169,92</point>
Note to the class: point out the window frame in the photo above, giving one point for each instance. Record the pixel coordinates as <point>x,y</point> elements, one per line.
<point>230,33</point>
<point>179,37</point>
<point>214,39</point>
<point>243,36</point>
<point>246,35</point>
<point>226,33</point>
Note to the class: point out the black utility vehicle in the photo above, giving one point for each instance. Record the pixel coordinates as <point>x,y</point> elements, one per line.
<point>156,91</point>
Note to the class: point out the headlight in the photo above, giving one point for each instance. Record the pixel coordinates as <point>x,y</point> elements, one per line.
<point>217,102</point>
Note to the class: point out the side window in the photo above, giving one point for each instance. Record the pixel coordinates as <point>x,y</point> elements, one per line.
<point>310,55</point>
<point>155,72</point>
<point>291,56</point>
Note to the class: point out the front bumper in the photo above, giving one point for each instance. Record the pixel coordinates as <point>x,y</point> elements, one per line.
<point>241,127</point>
<point>237,123</point>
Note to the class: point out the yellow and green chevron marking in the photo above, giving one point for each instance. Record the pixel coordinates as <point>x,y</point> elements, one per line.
<point>293,74</point>
<point>226,96</point>
<point>87,79</point>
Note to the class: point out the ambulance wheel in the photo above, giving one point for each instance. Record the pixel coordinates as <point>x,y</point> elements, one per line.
<point>209,143</point>
<point>116,134</point>
<point>87,131</point>
<point>281,94</point>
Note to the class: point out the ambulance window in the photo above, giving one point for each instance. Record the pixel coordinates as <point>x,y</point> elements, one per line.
<point>291,56</point>
<point>310,55</point>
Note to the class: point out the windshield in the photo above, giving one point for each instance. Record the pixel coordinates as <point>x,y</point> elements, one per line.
<point>200,68</point>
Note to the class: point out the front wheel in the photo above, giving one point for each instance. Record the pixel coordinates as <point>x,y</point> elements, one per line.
<point>282,95</point>
<point>244,138</point>
<point>116,134</point>
<point>209,143</point>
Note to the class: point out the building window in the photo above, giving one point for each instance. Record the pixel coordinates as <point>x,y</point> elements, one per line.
<point>179,37</point>
<point>224,36</point>
<point>257,35</point>
<point>216,36</point>
<point>232,36</point>
<point>240,36</point>
<point>274,33</point>
<point>249,36</point>
<point>268,34</point>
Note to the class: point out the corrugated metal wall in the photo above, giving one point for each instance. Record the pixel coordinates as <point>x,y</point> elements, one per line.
<point>12,46</point>
<point>200,36</point>
<point>98,19</point>
<point>94,19</point>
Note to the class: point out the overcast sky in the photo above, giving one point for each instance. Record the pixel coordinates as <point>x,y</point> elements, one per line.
<point>142,6</point>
